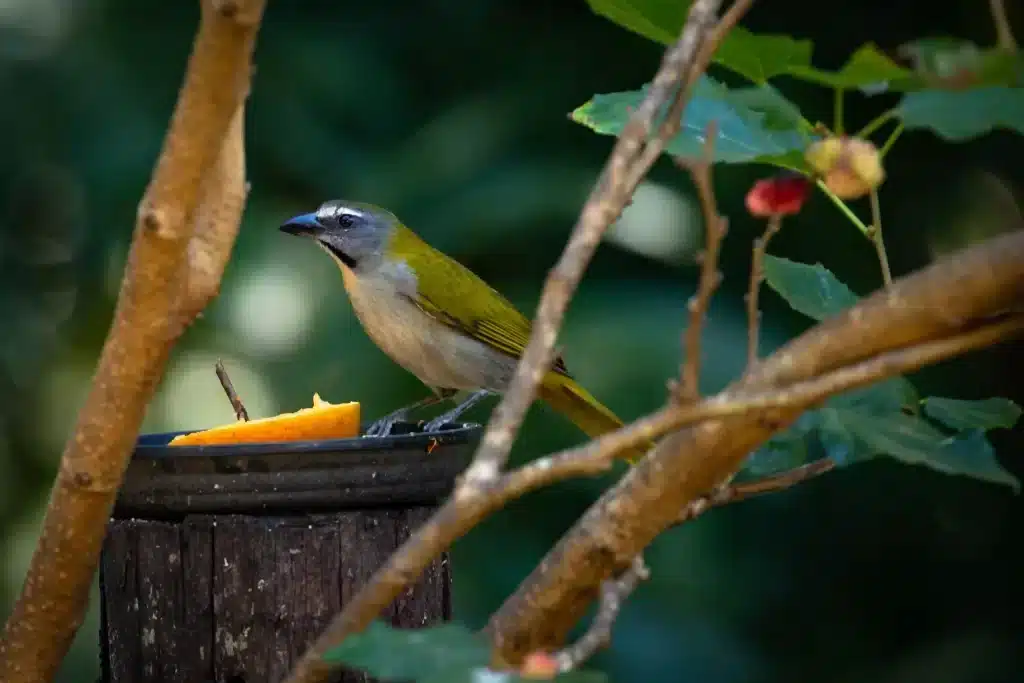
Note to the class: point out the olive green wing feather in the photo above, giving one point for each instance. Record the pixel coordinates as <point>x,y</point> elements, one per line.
<point>456,297</point>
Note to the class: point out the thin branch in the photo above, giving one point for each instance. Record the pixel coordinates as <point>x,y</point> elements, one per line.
<point>241,414</point>
<point>735,493</point>
<point>597,455</point>
<point>715,229</point>
<point>1004,32</point>
<point>147,321</point>
<point>756,278</point>
<point>631,157</point>
<point>877,239</point>
<point>613,595</point>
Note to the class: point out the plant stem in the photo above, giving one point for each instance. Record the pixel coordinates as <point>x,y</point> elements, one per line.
<point>838,111</point>
<point>876,123</point>
<point>1004,33</point>
<point>876,238</point>
<point>893,137</point>
<point>756,277</point>
<point>847,211</point>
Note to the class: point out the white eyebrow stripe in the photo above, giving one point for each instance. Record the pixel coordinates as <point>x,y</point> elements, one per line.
<point>333,211</point>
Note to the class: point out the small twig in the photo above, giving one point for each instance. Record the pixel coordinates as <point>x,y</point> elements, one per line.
<point>241,414</point>
<point>1004,32</point>
<point>735,493</point>
<point>877,240</point>
<point>715,229</point>
<point>756,278</point>
<point>613,595</point>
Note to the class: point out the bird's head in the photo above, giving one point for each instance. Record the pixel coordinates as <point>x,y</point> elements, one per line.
<point>354,233</point>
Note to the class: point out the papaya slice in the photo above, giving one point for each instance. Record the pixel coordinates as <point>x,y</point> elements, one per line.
<point>323,421</point>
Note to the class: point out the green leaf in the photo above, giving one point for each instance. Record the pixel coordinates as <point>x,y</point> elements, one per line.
<point>755,56</point>
<point>811,290</point>
<point>963,114</point>
<point>912,440</point>
<point>887,396</point>
<point>836,440</point>
<point>868,69</point>
<point>961,415</point>
<point>782,452</point>
<point>971,454</point>
<point>956,63</point>
<point>743,135</point>
<point>657,20</point>
<point>778,113</point>
<point>759,57</point>
<point>449,652</point>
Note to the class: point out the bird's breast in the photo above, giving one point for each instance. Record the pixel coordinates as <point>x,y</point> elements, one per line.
<point>438,355</point>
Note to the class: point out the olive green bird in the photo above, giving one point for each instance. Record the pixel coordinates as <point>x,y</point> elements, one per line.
<point>436,318</point>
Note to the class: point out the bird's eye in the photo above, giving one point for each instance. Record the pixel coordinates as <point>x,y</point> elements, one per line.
<point>345,220</point>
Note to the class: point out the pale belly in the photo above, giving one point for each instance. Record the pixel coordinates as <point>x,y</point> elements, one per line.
<point>436,354</point>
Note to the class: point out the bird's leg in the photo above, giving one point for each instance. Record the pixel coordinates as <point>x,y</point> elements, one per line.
<point>447,418</point>
<point>384,425</point>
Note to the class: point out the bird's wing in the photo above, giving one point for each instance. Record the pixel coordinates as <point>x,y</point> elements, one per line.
<point>455,296</point>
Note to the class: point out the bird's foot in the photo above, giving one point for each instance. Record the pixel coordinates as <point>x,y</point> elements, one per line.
<point>384,425</point>
<point>438,422</point>
<point>453,414</point>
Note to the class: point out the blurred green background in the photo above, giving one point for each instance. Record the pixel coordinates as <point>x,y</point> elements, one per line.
<point>454,115</point>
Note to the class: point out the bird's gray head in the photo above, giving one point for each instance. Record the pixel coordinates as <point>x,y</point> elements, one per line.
<point>354,233</point>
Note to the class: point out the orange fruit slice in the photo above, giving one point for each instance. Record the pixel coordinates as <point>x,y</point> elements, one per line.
<point>323,421</point>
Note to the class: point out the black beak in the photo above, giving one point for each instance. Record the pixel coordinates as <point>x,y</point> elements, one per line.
<point>304,225</point>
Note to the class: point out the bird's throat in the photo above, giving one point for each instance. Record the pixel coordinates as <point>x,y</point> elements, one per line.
<point>342,257</point>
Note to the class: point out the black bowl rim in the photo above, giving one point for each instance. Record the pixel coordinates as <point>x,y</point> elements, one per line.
<point>154,445</point>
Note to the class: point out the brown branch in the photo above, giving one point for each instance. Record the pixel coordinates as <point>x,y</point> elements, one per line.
<point>147,320</point>
<point>631,157</point>
<point>1004,32</point>
<point>735,493</point>
<point>756,278</point>
<point>715,229</point>
<point>613,595</point>
<point>218,218</point>
<point>950,297</point>
<point>241,414</point>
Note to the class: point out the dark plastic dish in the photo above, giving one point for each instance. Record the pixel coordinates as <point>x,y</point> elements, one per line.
<point>403,469</point>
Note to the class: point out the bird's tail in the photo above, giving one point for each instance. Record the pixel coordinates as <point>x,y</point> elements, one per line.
<point>586,412</point>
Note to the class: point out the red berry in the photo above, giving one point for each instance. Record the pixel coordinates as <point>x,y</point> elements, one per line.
<point>781,195</point>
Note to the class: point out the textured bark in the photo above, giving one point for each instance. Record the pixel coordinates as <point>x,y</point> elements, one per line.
<point>153,308</point>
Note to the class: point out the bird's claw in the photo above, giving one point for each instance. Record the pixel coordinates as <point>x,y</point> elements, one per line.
<point>436,424</point>
<point>383,426</point>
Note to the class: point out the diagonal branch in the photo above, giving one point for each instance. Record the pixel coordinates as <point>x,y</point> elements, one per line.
<point>218,218</point>
<point>147,321</point>
<point>613,595</point>
<point>734,493</point>
<point>1004,32</point>
<point>633,154</point>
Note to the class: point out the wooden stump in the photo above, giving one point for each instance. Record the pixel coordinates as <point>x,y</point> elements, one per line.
<point>223,563</point>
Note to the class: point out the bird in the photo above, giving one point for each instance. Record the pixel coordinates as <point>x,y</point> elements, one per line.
<point>436,318</point>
